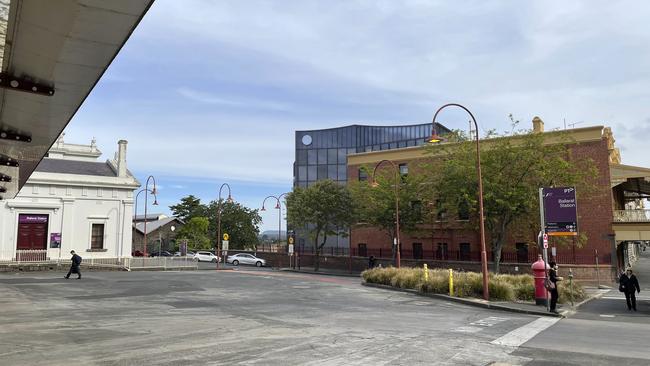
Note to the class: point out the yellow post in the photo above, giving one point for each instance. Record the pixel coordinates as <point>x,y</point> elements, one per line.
<point>426,273</point>
<point>451,282</point>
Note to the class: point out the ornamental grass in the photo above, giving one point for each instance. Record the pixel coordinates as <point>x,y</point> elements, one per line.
<point>503,287</point>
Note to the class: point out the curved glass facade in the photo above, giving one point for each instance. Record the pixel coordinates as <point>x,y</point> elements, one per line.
<point>322,154</point>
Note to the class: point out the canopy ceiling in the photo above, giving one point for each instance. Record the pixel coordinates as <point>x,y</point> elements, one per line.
<point>66,45</point>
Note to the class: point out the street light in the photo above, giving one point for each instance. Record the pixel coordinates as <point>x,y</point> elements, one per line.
<point>434,139</point>
<point>146,191</point>
<point>279,208</point>
<point>397,183</point>
<point>219,220</point>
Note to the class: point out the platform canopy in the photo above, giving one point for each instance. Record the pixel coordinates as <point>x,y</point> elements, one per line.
<point>632,179</point>
<point>53,53</point>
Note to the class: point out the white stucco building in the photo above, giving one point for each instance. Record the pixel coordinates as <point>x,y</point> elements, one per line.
<point>72,201</point>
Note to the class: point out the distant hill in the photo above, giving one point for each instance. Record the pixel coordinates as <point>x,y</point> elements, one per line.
<point>272,235</point>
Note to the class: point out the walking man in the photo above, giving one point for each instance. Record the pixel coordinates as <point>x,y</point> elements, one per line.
<point>74,268</point>
<point>628,284</point>
<point>554,279</point>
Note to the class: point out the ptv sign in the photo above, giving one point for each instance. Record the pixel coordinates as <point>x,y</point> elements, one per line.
<point>560,211</point>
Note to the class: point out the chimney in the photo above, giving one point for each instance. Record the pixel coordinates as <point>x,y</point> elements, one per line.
<point>121,158</point>
<point>538,125</point>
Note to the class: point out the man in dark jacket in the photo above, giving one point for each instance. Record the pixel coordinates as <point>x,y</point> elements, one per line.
<point>74,268</point>
<point>554,278</point>
<point>628,284</point>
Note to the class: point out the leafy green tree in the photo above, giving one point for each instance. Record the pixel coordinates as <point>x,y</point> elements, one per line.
<point>241,223</point>
<point>513,166</point>
<point>196,231</point>
<point>188,208</point>
<point>376,204</point>
<point>324,209</point>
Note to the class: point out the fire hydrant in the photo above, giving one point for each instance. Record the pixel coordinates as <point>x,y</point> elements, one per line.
<point>539,273</point>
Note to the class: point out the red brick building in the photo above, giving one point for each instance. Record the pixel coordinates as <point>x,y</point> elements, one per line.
<point>612,217</point>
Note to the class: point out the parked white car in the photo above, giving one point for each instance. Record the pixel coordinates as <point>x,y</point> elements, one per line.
<point>244,258</point>
<point>206,257</point>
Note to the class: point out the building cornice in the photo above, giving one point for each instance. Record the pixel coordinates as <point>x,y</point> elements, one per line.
<point>83,180</point>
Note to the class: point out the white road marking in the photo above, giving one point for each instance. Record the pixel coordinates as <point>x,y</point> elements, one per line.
<point>607,316</point>
<point>488,322</point>
<point>468,329</point>
<point>525,333</point>
<point>643,298</point>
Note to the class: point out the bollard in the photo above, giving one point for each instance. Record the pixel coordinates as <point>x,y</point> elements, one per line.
<point>571,284</point>
<point>451,282</point>
<point>426,273</point>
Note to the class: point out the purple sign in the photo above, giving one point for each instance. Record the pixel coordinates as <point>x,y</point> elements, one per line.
<point>55,240</point>
<point>560,211</point>
<point>32,219</point>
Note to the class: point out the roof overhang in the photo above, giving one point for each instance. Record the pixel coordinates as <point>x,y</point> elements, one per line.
<point>64,46</point>
<point>632,178</point>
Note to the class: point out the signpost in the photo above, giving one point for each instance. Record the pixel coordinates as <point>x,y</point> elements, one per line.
<point>291,238</point>
<point>558,211</point>
<point>224,246</point>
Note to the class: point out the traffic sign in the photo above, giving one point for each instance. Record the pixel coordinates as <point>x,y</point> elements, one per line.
<point>545,241</point>
<point>226,236</point>
<point>290,248</point>
<point>224,245</point>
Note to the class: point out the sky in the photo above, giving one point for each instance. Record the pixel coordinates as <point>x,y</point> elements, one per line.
<point>212,92</point>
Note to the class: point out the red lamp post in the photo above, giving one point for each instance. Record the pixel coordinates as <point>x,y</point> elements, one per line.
<point>397,183</point>
<point>435,138</point>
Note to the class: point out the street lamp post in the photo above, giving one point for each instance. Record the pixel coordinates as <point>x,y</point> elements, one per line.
<point>279,208</point>
<point>219,221</point>
<point>435,138</point>
<point>397,183</point>
<point>146,191</point>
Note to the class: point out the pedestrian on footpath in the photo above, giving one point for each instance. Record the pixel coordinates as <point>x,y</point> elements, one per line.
<point>74,268</point>
<point>554,278</point>
<point>371,262</point>
<point>628,284</point>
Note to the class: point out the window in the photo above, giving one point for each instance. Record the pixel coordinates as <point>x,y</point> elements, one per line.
<point>322,172</point>
<point>332,156</point>
<point>343,156</point>
<point>302,172</point>
<point>322,156</point>
<point>416,206</point>
<point>311,173</point>
<point>403,169</point>
<point>342,170</point>
<point>97,237</point>
<point>522,252</point>
<point>363,250</point>
<point>463,210</point>
<point>312,157</point>
<point>465,252</point>
<point>331,172</point>
<point>417,251</point>
<point>442,252</point>
<point>301,157</point>
<point>441,214</point>
<point>363,175</point>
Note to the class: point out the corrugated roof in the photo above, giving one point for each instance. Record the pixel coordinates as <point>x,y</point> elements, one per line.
<point>155,225</point>
<point>75,167</point>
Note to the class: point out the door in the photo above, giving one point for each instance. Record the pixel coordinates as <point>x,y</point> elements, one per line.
<point>32,232</point>
<point>465,252</point>
<point>522,253</point>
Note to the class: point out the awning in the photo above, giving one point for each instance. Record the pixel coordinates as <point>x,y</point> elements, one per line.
<point>630,178</point>
<point>55,52</point>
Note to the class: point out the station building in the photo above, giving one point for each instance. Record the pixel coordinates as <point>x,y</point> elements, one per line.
<point>71,202</point>
<point>613,216</point>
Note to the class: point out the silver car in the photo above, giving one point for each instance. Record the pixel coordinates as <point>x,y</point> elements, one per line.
<point>244,258</point>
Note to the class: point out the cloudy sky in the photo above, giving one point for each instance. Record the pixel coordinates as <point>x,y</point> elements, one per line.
<point>208,92</point>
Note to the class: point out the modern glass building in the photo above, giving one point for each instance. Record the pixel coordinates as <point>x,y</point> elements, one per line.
<point>322,154</point>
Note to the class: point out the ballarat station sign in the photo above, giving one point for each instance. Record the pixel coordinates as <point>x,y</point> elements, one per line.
<point>560,211</point>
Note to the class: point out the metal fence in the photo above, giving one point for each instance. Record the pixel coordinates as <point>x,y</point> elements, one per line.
<point>160,263</point>
<point>40,257</point>
<point>24,256</point>
<point>460,256</point>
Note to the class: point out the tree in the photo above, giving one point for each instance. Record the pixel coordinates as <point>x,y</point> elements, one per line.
<point>196,231</point>
<point>188,208</point>
<point>325,209</point>
<point>376,203</point>
<point>514,167</point>
<point>241,223</point>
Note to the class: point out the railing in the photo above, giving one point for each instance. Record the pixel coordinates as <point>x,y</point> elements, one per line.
<point>632,216</point>
<point>31,255</point>
<point>160,263</point>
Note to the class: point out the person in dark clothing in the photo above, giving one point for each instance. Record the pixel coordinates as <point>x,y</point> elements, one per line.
<point>554,278</point>
<point>371,262</point>
<point>628,284</point>
<point>74,268</point>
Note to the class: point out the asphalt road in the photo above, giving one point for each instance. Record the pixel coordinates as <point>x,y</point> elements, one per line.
<point>260,317</point>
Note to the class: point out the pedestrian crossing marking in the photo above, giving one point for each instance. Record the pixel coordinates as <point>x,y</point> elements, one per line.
<point>525,333</point>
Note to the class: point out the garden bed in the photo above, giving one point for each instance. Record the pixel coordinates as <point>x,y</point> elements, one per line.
<point>502,287</point>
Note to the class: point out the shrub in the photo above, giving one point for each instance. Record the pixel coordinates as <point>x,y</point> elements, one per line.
<point>565,292</point>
